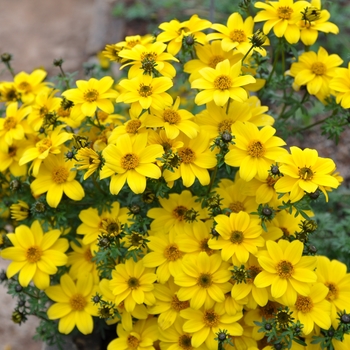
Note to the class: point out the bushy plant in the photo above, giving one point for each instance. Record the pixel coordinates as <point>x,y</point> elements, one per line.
<point>165,203</point>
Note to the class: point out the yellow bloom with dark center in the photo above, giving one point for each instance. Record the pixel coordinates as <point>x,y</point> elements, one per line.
<point>141,336</point>
<point>90,95</point>
<point>133,283</point>
<point>204,324</point>
<point>283,16</point>
<point>221,83</point>
<point>313,309</point>
<point>8,92</point>
<point>148,59</point>
<point>286,270</point>
<point>131,162</point>
<point>19,211</point>
<point>173,120</point>
<point>315,70</point>
<point>14,126</point>
<point>56,177</point>
<point>203,280</point>
<point>333,274</point>
<point>73,305</point>
<point>240,235</point>
<point>87,159</point>
<point>340,84</point>
<point>145,92</point>
<point>305,171</point>
<point>254,150</point>
<point>236,34</point>
<point>35,254</point>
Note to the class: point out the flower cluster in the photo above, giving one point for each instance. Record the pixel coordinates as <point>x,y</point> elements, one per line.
<point>165,202</point>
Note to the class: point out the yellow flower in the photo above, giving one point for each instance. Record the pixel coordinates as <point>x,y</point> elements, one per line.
<point>304,170</point>
<point>142,336</point>
<point>90,95</point>
<point>46,145</point>
<point>88,159</point>
<point>14,126</point>
<point>19,211</point>
<point>195,158</point>
<point>315,70</point>
<point>131,162</point>
<point>221,83</point>
<point>150,59</point>
<point>173,120</point>
<point>314,20</point>
<point>30,85</point>
<point>35,254</point>
<point>144,92</point>
<point>254,150</point>
<point>283,16</point>
<point>8,92</point>
<point>286,270</point>
<point>240,235</point>
<point>56,177</point>
<point>235,36</point>
<point>340,84</point>
<point>204,324</point>
<point>203,280</point>
<point>313,309</point>
<point>333,274</point>
<point>73,305</point>
<point>132,283</point>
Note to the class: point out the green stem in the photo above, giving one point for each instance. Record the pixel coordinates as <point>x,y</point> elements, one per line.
<point>251,48</point>
<point>212,179</point>
<point>8,66</point>
<point>228,105</point>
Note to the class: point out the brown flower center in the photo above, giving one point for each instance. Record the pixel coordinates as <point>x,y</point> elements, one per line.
<point>204,246</point>
<point>269,310</point>
<point>87,255</point>
<point>306,174</point>
<point>253,272</point>
<point>33,254</point>
<point>238,35</point>
<point>211,318</point>
<point>236,237</point>
<point>178,305</point>
<point>43,145</point>
<point>270,181</point>
<point>256,149</point>
<point>12,151</point>
<point>171,116</point>
<point>284,269</point>
<point>222,82</point>
<point>24,86</point>
<point>179,212</point>
<point>101,115</point>
<point>90,95</point>
<point>129,161</point>
<point>304,304</point>
<point>204,280</point>
<point>133,126</point>
<point>10,123</point>
<point>333,291</point>
<point>187,155</point>
<point>63,113</point>
<point>60,175</point>
<point>214,60</point>
<point>225,125</point>
<point>77,302</point>
<point>185,342</point>
<point>172,252</point>
<point>318,68</point>
<point>284,12</point>
<point>133,342</point>
<point>43,111</point>
<point>133,283</point>
<point>145,90</point>
<point>236,207</point>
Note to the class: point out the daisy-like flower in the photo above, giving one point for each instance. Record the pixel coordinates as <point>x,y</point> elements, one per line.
<point>174,214</point>
<point>333,274</point>
<point>166,255</point>
<point>141,337</point>
<point>49,144</point>
<point>14,126</point>
<point>30,85</point>
<point>204,324</point>
<point>221,83</point>
<point>240,235</point>
<point>174,32</point>
<point>173,120</point>
<point>236,35</point>
<point>315,20</point>
<point>286,270</point>
<point>8,92</point>
<point>90,95</point>
<point>340,84</point>
<point>131,162</point>
<point>304,171</point>
<point>195,158</point>
<point>168,305</point>
<point>283,16</point>
<point>254,150</point>
<point>144,92</point>
<point>35,254</point>
<point>73,305</point>
<point>87,159</point>
<point>203,280</point>
<point>150,58</point>
<point>56,177</point>
<point>315,70</point>
<point>313,309</point>
<point>132,283</point>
